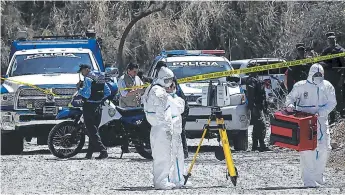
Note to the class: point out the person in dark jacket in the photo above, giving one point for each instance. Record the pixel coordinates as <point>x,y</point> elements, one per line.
<point>300,72</point>
<point>257,104</point>
<point>179,93</point>
<point>94,92</point>
<point>334,72</point>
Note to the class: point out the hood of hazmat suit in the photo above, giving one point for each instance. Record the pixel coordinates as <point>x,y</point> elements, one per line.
<point>316,96</point>
<point>158,114</point>
<point>165,77</point>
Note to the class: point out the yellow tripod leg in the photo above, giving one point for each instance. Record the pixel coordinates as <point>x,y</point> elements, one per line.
<point>196,153</point>
<point>227,152</point>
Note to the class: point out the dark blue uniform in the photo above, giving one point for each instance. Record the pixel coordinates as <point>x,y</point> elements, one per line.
<point>256,100</point>
<point>94,92</point>
<point>335,76</point>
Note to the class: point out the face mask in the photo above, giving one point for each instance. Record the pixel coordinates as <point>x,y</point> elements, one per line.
<point>317,80</point>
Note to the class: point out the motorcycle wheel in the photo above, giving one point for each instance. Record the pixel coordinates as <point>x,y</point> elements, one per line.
<point>144,150</point>
<point>61,141</point>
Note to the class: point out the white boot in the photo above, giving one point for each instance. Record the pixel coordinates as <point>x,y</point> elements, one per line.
<point>166,186</point>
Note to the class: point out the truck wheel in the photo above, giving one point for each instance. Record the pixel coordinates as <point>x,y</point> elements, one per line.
<point>11,143</point>
<point>42,140</point>
<point>241,141</point>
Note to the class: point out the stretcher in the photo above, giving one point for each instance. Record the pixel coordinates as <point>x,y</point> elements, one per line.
<point>296,130</point>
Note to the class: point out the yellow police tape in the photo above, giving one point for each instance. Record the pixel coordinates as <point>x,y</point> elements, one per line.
<point>217,74</point>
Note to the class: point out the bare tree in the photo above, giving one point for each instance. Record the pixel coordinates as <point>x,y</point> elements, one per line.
<point>152,8</point>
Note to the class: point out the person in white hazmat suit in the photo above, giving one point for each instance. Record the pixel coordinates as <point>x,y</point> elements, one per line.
<point>316,96</point>
<point>157,106</point>
<point>176,106</point>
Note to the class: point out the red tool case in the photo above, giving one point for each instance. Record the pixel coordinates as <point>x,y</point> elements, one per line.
<point>297,131</point>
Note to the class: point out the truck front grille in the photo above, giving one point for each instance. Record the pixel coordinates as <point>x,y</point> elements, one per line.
<point>192,98</point>
<point>33,98</point>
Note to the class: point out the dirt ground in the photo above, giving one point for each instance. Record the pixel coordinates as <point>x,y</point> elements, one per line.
<point>277,171</point>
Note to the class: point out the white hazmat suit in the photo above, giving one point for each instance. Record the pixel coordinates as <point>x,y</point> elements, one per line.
<point>176,106</point>
<point>158,114</point>
<point>316,96</point>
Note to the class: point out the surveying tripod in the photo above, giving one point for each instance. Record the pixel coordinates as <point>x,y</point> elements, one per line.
<point>216,115</point>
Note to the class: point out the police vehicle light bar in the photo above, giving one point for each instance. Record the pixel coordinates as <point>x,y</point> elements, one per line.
<point>213,51</point>
<point>191,52</point>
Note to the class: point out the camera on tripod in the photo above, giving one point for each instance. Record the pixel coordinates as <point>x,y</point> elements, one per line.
<point>222,94</point>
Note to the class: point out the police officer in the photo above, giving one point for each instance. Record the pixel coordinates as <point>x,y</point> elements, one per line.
<point>94,91</point>
<point>334,73</point>
<point>257,104</point>
<point>179,93</point>
<point>130,97</point>
<point>297,73</point>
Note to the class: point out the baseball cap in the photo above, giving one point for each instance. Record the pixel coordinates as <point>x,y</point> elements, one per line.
<point>300,46</point>
<point>330,35</point>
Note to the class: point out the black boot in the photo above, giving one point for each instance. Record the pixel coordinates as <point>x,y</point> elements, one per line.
<point>102,155</point>
<point>263,146</point>
<point>125,149</point>
<point>255,145</point>
<point>89,151</point>
<point>254,148</point>
<point>88,155</point>
<point>264,149</point>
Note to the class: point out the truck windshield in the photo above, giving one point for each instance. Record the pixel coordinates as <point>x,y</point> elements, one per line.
<point>192,68</point>
<point>48,63</point>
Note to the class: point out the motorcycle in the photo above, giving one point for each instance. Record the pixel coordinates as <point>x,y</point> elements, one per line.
<point>118,127</point>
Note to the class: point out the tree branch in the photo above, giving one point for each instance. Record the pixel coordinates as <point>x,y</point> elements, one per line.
<point>143,14</point>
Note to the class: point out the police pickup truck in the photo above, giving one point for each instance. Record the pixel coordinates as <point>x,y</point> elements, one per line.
<point>273,79</point>
<point>49,63</point>
<point>186,63</point>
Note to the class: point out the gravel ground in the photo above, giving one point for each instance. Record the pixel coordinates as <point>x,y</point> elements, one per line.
<point>37,171</point>
<point>337,157</point>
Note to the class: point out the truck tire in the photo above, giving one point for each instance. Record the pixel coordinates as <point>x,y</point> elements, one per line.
<point>11,143</point>
<point>241,141</point>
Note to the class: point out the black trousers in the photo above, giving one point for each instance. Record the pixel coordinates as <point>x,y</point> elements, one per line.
<point>259,127</point>
<point>335,78</point>
<point>183,136</point>
<point>92,118</point>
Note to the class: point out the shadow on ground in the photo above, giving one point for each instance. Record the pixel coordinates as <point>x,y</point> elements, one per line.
<point>190,149</point>
<point>150,188</point>
<point>284,188</point>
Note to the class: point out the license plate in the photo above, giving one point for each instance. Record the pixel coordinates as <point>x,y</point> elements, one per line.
<point>202,121</point>
<point>49,110</point>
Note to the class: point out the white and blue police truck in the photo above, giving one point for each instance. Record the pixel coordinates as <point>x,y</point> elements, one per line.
<point>186,63</point>
<point>50,63</point>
